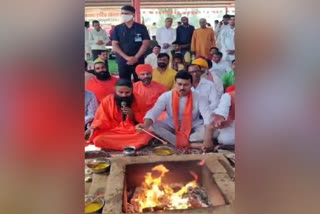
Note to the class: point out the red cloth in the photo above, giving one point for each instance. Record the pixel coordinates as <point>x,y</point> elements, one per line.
<point>230,88</point>
<point>146,97</point>
<point>182,131</point>
<point>232,111</point>
<point>143,67</point>
<point>113,133</point>
<point>101,88</point>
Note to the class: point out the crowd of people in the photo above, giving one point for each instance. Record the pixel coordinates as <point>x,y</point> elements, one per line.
<point>183,91</point>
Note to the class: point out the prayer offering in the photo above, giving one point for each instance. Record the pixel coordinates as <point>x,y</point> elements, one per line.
<point>92,207</point>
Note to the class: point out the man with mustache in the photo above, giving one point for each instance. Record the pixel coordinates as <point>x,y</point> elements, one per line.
<point>146,91</point>
<point>103,83</point>
<point>163,73</point>
<point>114,124</point>
<point>183,126</point>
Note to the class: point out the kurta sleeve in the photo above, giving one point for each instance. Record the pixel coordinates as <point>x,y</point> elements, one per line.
<point>193,41</point>
<point>158,37</point>
<point>205,110</point>
<point>213,98</point>
<point>103,115</point>
<point>173,36</point>
<point>105,38</point>
<point>92,40</point>
<point>92,107</point>
<point>213,41</point>
<point>158,108</point>
<point>224,106</point>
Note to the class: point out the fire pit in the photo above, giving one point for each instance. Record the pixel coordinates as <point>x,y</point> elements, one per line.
<point>179,183</point>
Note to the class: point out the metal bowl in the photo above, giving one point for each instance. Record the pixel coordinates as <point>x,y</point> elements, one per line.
<point>99,165</point>
<point>129,151</point>
<point>163,150</point>
<point>100,201</point>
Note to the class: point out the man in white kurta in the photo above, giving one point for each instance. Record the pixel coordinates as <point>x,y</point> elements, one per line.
<point>166,36</point>
<point>201,130</point>
<point>219,66</point>
<point>98,39</point>
<point>227,41</point>
<point>87,47</point>
<point>203,86</point>
<point>152,59</point>
<point>225,136</point>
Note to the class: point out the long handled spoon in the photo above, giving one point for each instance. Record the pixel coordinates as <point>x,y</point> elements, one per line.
<point>152,135</point>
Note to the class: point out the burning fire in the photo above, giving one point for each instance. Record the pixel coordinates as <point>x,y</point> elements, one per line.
<point>154,193</point>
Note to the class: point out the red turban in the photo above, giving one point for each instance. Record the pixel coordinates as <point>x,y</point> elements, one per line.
<point>143,68</point>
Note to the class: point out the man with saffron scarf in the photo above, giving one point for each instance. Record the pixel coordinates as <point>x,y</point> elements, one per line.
<point>146,91</point>
<point>183,126</point>
<point>114,124</point>
<point>103,84</point>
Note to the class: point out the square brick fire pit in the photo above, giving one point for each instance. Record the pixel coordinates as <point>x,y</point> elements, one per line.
<point>215,176</point>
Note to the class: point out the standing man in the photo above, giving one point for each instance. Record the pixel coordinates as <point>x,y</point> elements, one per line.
<point>153,30</point>
<point>130,40</point>
<point>87,47</point>
<point>227,40</point>
<point>98,39</point>
<point>202,40</point>
<point>166,36</point>
<point>224,23</point>
<point>184,36</point>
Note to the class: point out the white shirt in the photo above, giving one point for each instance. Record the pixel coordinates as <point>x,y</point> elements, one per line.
<point>153,31</point>
<point>90,105</point>
<point>166,35</point>
<point>207,89</point>
<point>86,40</point>
<point>152,60</point>
<point>227,42</point>
<point>220,68</point>
<point>217,32</point>
<point>217,84</point>
<point>95,36</point>
<point>224,106</point>
<point>164,102</point>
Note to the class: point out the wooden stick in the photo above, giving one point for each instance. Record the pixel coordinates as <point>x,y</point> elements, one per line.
<point>164,142</point>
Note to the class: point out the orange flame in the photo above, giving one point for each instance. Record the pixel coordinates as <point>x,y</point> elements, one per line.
<point>157,194</point>
<point>201,163</point>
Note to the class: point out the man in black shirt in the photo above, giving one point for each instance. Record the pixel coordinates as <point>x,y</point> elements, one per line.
<point>130,40</point>
<point>184,35</point>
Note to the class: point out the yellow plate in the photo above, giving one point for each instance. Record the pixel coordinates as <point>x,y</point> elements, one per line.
<point>163,151</point>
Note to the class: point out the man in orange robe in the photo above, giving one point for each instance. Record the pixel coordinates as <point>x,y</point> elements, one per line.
<point>202,40</point>
<point>146,91</point>
<point>114,124</point>
<point>103,84</point>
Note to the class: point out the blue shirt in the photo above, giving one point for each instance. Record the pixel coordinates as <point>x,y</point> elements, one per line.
<point>130,39</point>
<point>184,34</point>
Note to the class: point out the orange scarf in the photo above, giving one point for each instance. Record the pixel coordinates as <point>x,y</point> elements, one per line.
<point>183,131</point>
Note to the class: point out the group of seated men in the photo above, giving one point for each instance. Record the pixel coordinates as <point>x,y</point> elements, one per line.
<point>187,107</point>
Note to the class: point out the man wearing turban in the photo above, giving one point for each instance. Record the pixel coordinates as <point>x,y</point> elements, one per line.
<point>146,91</point>
<point>114,124</point>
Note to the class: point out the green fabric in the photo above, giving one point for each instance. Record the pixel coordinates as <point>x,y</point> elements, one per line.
<point>228,79</point>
